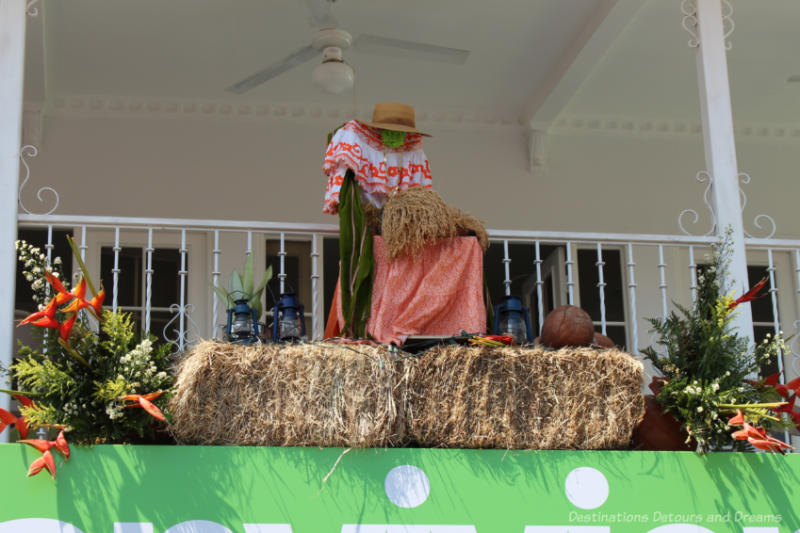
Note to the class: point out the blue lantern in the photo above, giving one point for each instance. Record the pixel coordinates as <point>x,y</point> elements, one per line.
<point>242,326</point>
<point>512,318</point>
<point>288,321</point>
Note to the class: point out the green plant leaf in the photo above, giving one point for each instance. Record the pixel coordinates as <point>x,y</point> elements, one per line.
<point>236,289</point>
<point>224,295</point>
<point>247,274</point>
<point>255,303</point>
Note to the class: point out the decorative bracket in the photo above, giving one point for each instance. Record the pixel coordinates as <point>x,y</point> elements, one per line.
<point>31,151</point>
<point>689,22</point>
<point>538,141</point>
<point>744,179</point>
<point>31,9</point>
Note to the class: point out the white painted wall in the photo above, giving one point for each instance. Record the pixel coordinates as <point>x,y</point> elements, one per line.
<point>271,170</point>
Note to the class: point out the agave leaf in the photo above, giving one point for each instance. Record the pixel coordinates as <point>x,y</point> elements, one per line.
<point>261,286</point>
<point>235,284</point>
<point>247,275</point>
<point>224,295</point>
<point>255,303</point>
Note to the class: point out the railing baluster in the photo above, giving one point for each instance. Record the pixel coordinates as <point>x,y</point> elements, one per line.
<point>601,287</point>
<point>632,297</point>
<point>282,273</point>
<point>148,280</point>
<point>49,244</point>
<point>662,268</point>
<point>539,283</point>
<point>507,267</point>
<point>215,280</point>
<point>570,282</point>
<point>115,271</point>
<point>316,319</point>
<point>776,324</point>
<point>249,242</point>
<point>692,275</point>
<point>182,273</point>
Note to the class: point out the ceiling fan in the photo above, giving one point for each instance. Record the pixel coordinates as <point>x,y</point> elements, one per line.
<point>333,74</point>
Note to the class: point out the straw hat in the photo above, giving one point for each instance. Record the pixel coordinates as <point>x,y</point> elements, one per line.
<point>396,117</point>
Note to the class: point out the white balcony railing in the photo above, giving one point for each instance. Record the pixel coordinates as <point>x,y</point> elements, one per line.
<point>622,278</point>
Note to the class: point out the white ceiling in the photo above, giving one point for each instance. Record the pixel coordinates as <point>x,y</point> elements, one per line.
<point>541,59</point>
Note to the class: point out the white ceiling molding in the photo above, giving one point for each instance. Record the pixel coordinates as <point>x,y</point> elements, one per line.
<point>98,105</point>
<point>578,61</point>
<point>667,127</point>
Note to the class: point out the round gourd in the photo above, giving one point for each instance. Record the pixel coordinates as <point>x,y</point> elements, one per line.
<point>603,341</point>
<point>567,325</point>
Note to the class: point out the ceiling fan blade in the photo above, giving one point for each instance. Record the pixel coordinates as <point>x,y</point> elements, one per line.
<point>318,13</point>
<point>410,49</point>
<point>292,60</point>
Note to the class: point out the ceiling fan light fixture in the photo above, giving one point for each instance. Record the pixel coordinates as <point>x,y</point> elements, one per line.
<point>333,75</point>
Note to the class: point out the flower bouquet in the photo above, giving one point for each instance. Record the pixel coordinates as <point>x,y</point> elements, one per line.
<point>88,371</point>
<point>708,370</point>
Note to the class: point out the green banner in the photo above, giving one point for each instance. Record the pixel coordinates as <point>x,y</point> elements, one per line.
<point>197,489</point>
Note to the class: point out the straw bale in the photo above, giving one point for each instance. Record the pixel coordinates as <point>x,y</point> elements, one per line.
<point>289,395</point>
<point>524,398</point>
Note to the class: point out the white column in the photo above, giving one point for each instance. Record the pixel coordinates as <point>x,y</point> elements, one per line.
<point>720,147</point>
<point>12,59</point>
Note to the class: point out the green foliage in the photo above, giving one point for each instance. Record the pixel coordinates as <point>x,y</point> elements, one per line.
<point>707,364</point>
<point>242,287</point>
<point>357,261</point>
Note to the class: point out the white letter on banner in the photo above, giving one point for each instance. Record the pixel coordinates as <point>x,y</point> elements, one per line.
<point>567,529</point>
<point>198,526</point>
<point>37,525</point>
<point>394,528</point>
<point>267,528</point>
<point>133,527</point>
<point>680,528</point>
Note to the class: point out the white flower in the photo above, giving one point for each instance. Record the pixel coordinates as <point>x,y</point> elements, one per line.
<point>700,409</point>
<point>29,277</point>
<point>56,275</point>
<point>715,387</point>
<point>57,261</point>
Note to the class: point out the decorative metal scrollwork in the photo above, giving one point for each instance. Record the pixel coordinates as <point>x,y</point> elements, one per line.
<point>31,9</point>
<point>702,177</point>
<point>181,339</point>
<point>31,151</point>
<point>727,23</point>
<point>744,179</point>
<point>689,21</point>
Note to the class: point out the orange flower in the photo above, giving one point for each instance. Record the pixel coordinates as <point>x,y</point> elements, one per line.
<point>144,401</point>
<point>60,444</point>
<point>737,420</point>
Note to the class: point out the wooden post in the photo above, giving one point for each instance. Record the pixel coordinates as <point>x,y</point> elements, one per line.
<point>720,147</point>
<point>12,62</point>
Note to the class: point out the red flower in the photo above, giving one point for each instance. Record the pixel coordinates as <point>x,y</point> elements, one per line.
<point>750,295</point>
<point>48,312</point>
<point>45,461</point>
<point>737,420</point>
<point>65,328</point>
<point>143,401</point>
<point>60,444</point>
<point>63,295</point>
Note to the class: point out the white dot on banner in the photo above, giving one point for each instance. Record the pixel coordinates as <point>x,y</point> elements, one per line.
<point>586,488</point>
<point>407,486</point>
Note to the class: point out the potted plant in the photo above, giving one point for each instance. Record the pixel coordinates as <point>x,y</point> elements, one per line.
<point>707,370</point>
<point>243,302</point>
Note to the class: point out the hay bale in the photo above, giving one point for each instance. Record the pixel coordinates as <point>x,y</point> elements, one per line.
<point>289,395</point>
<point>524,398</point>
